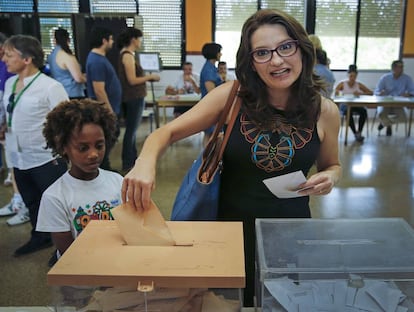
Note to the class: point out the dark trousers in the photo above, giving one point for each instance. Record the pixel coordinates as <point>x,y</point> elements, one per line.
<point>133,117</point>
<point>32,183</point>
<point>361,111</point>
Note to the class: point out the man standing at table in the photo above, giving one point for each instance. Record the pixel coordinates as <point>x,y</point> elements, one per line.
<point>395,83</point>
<point>102,81</point>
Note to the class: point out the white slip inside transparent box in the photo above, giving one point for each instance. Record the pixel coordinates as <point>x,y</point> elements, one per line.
<point>335,265</point>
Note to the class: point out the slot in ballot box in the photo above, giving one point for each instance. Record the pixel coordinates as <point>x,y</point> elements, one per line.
<point>159,278</point>
<point>335,265</point>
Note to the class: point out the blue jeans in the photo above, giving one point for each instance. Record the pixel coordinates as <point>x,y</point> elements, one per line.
<point>133,116</point>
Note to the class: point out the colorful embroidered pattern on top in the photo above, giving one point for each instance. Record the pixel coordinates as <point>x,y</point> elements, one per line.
<point>274,150</point>
<point>101,210</point>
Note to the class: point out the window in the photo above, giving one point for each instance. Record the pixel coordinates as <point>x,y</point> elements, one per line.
<point>62,6</point>
<point>16,6</point>
<point>296,8</point>
<point>335,25</point>
<point>362,32</point>
<point>379,29</point>
<point>162,27</point>
<point>48,25</point>
<point>160,21</point>
<point>230,16</point>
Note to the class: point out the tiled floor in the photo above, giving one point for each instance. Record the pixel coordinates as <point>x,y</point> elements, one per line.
<point>377,182</point>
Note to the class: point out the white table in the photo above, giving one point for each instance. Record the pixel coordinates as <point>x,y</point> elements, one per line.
<point>373,101</point>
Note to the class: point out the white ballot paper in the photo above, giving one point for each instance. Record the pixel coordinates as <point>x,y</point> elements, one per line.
<point>287,185</point>
<point>147,228</point>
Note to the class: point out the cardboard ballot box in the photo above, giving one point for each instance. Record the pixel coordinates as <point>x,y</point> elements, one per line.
<point>211,257</point>
<point>335,265</point>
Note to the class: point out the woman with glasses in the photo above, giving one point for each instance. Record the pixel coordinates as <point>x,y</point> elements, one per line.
<point>284,125</point>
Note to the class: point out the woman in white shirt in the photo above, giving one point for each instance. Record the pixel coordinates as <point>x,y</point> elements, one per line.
<point>356,88</point>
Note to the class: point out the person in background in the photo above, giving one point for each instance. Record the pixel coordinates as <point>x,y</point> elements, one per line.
<point>85,191</point>
<point>29,96</point>
<point>102,81</point>
<point>224,74</point>
<point>4,75</point>
<point>187,83</point>
<point>394,83</point>
<point>209,76</point>
<point>64,67</point>
<point>323,71</point>
<point>355,88</point>
<point>134,89</point>
<point>15,207</point>
<point>284,125</point>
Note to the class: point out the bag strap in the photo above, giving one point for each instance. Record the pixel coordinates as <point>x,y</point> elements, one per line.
<point>235,104</point>
<point>214,142</point>
<point>224,114</point>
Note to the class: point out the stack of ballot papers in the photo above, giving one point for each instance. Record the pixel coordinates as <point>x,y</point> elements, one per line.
<point>334,296</point>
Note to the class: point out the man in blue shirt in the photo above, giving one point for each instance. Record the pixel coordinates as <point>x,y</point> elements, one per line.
<point>395,83</point>
<point>102,81</point>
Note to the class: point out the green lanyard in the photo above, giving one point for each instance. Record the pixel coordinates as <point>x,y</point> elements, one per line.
<point>13,101</point>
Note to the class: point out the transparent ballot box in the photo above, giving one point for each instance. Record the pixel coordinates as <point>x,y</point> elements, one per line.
<point>336,265</point>
<point>99,272</point>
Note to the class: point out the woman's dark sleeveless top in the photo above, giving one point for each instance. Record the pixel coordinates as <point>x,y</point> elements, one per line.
<point>252,155</point>
<point>131,92</point>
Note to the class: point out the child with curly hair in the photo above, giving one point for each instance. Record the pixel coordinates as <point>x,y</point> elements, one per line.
<point>80,131</point>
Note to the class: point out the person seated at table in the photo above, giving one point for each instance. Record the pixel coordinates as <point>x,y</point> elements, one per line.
<point>394,83</point>
<point>224,74</point>
<point>356,88</point>
<point>187,83</point>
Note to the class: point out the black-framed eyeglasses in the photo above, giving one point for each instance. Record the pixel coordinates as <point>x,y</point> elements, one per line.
<point>286,49</point>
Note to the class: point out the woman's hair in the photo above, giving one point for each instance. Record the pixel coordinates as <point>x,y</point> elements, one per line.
<point>127,35</point>
<point>28,46</point>
<point>315,41</point>
<point>303,106</point>
<point>68,117</point>
<point>210,50</point>
<point>352,69</point>
<point>62,39</point>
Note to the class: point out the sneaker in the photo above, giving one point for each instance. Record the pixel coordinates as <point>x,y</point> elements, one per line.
<point>7,210</point>
<point>21,217</point>
<point>53,259</point>
<point>359,137</point>
<point>33,245</point>
<point>8,180</point>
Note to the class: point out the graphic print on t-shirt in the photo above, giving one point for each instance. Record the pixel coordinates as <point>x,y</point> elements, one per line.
<point>101,210</point>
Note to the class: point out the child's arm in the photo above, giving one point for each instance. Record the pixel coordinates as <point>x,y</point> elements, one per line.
<point>62,240</point>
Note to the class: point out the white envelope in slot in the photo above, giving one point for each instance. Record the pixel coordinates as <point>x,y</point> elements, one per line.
<point>147,228</point>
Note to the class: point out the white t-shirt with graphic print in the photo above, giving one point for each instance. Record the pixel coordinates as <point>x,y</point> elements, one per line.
<point>69,203</point>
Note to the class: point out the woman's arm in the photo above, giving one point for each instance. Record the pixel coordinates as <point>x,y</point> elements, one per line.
<point>365,90</point>
<point>210,85</point>
<point>327,163</point>
<point>128,61</point>
<point>339,87</point>
<point>140,181</point>
<point>73,66</point>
